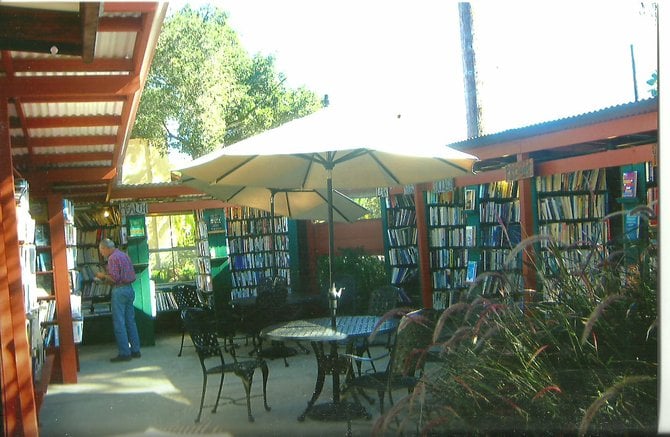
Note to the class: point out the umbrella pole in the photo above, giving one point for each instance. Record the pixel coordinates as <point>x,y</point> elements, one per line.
<point>272,233</point>
<point>331,241</point>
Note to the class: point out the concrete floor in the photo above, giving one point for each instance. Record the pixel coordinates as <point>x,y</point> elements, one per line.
<point>159,394</point>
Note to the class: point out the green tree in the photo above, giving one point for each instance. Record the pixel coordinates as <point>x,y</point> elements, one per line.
<point>204,90</point>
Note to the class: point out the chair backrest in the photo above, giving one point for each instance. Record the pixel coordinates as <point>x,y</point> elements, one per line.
<point>412,339</point>
<point>383,299</point>
<point>201,328</point>
<point>187,296</point>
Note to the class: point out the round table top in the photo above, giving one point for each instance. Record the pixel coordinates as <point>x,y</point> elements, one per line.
<point>320,329</point>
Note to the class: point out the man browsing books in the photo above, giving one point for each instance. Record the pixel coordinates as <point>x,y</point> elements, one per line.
<point>121,273</point>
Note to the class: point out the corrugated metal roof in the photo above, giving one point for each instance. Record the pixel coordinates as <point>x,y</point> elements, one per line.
<point>579,120</point>
<point>70,119</point>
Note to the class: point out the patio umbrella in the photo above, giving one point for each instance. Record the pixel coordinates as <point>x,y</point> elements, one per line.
<point>298,204</point>
<point>295,203</point>
<point>335,147</point>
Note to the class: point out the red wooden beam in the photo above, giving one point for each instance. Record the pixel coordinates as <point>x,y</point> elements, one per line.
<point>70,86</point>
<point>119,24</point>
<point>142,7</point>
<point>71,175</point>
<point>68,65</point>
<point>152,192</point>
<point>81,121</point>
<point>42,159</point>
<point>84,140</point>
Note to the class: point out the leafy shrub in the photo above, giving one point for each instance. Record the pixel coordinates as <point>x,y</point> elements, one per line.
<point>368,271</point>
<point>584,362</point>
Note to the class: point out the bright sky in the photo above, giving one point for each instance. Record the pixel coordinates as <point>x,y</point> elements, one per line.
<point>536,63</point>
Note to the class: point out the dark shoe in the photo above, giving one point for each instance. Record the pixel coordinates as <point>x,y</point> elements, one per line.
<point>136,354</point>
<point>119,358</point>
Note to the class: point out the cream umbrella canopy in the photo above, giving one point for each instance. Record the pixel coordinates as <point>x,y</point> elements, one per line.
<point>335,148</point>
<point>295,203</point>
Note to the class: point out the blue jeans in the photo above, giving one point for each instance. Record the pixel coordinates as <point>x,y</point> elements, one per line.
<point>123,318</point>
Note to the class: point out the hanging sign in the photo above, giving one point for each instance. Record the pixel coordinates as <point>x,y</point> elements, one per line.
<point>133,208</point>
<point>444,185</point>
<point>520,170</point>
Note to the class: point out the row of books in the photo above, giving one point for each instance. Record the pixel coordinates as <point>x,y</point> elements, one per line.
<point>246,227</point>
<point>92,237</point>
<point>400,274</point>
<point>495,212</point>
<point>401,217</point>
<point>450,237</point>
<point>251,244</point>
<point>454,197</point>
<point>86,255</point>
<point>400,201</point>
<point>249,278</point>
<point>446,216</point>
<point>406,255</point>
<point>500,236</point>
<point>87,271</point>
<point>451,258</point>
<point>252,260</point>
<point>402,236</point>
<point>499,190</point>
<point>97,218</point>
<point>576,207</point>
<point>245,213</point>
<point>581,180</point>
<point>449,278</point>
<point>575,234</point>
<point>204,282</point>
<point>96,289</point>
<point>42,234</point>
<point>496,260</point>
<point>574,261</point>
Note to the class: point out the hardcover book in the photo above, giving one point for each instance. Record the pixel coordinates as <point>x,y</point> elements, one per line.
<point>629,180</point>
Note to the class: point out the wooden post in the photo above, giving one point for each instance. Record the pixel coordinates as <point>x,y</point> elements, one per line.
<point>527,222</point>
<point>67,353</point>
<point>18,396</point>
<point>422,247</point>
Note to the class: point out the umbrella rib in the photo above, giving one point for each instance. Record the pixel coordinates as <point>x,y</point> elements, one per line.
<point>464,170</point>
<point>384,168</point>
<point>234,169</point>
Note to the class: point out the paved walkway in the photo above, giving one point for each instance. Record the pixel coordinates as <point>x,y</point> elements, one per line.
<point>159,394</point>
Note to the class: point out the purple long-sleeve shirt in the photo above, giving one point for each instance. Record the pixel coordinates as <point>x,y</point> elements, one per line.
<point>120,268</point>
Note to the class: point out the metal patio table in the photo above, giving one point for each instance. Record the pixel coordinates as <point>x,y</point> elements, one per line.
<point>320,333</point>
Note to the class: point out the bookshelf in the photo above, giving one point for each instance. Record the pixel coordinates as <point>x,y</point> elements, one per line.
<point>134,236</point>
<point>451,240</point>
<point>499,231</point>
<point>570,210</point>
<point>401,237</point>
<point>93,225</point>
<point>259,246</point>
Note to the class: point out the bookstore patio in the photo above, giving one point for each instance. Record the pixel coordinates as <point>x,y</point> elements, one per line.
<point>559,178</point>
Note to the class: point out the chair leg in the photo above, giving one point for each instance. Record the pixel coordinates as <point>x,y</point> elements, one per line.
<point>183,334</point>
<point>381,401</point>
<point>247,389</point>
<point>202,396</point>
<point>218,395</point>
<point>266,372</point>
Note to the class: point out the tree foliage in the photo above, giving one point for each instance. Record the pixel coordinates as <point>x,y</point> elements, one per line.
<point>204,90</point>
